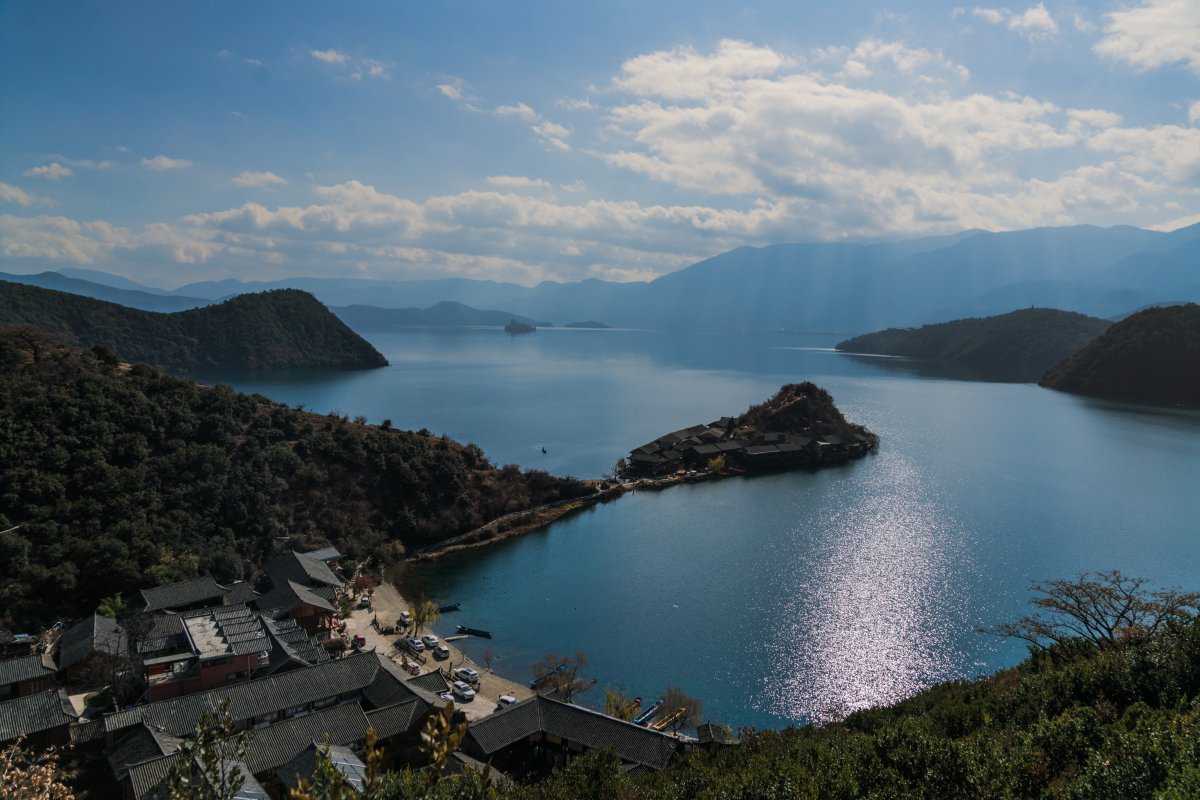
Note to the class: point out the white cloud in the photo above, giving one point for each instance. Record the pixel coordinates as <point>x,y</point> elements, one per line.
<point>516,182</point>
<point>58,238</point>
<point>82,163</point>
<point>1033,22</point>
<point>258,180</point>
<point>330,56</point>
<point>1154,34</point>
<point>1194,112</point>
<point>451,90</point>
<point>520,111</point>
<point>15,194</point>
<point>577,104</point>
<point>160,163</point>
<point>50,172</point>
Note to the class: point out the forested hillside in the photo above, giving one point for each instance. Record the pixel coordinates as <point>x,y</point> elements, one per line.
<point>115,478</point>
<point>1152,355</point>
<point>1034,337</point>
<point>272,330</point>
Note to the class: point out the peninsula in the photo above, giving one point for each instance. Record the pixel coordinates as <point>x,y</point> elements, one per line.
<point>799,427</point>
<point>278,329</point>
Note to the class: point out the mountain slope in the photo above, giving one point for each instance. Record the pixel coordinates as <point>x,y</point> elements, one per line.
<point>1037,338</point>
<point>273,330</point>
<point>120,478</point>
<point>1151,355</point>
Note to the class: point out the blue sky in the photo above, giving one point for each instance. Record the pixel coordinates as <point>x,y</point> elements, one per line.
<point>174,141</point>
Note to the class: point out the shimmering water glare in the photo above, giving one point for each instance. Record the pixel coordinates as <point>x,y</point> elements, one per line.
<point>782,598</point>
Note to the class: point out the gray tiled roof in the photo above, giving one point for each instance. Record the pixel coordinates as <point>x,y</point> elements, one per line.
<point>179,715</point>
<point>393,685</point>
<point>143,743</point>
<point>183,593</point>
<point>302,569</point>
<point>89,635</point>
<point>88,731</point>
<point>164,632</point>
<point>146,779</point>
<point>34,713</point>
<point>589,728</point>
<point>303,765</point>
<point>434,682</point>
<point>240,592</point>
<point>289,594</point>
<point>326,554</point>
<point>274,746</point>
<point>293,643</point>
<point>25,668</point>
<point>397,719</point>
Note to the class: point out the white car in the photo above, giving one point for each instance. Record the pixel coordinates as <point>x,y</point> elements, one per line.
<point>463,690</point>
<point>416,644</point>
<point>449,698</point>
<point>506,700</point>
<point>430,641</point>
<point>467,674</point>
<point>441,651</point>
<point>405,618</point>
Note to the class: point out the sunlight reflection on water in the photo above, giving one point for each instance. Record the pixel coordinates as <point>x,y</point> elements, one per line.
<point>873,602</point>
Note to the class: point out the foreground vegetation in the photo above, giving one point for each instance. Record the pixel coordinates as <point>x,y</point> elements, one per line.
<point>158,479</point>
<point>1035,338</point>
<point>280,329</point>
<point>1152,355</point>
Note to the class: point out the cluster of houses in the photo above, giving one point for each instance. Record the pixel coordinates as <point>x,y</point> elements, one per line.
<point>743,448</point>
<point>263,657</point>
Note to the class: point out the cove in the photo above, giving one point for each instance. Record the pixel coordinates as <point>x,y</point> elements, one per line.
<point>783,598</point>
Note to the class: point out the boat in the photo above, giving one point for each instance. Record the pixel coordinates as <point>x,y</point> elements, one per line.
<point>649,713</point>
<point>533,684</point>
<point>474,632</point>
<point>449,607</point>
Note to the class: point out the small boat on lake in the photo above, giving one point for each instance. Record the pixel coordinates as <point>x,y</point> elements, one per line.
<point>474,632</point>
<point>449,607</point>
<point>649,713</point>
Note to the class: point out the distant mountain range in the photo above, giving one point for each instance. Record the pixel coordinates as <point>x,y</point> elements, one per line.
<point>1103,272</point>
<point>270,330</point>
<point>444,314</point>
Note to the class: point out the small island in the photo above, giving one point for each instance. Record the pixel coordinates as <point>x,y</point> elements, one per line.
<point>590,324</point>
<point>799,427</point>
<point>515,328</point>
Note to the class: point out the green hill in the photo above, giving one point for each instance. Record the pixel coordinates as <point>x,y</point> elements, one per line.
<point>1152,355</point>
<point>1036,338</point>
<point>154,479</point>
<point>271,330</point>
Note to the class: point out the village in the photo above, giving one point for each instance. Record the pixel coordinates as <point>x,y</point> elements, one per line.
<point>311,656</point>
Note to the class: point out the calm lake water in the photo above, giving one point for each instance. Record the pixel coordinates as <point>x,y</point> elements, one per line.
<point>784,598</point>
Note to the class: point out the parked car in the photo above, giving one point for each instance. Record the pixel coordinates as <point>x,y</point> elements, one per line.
<point>463,691</point>
<point>449,698</point>
<point>359,641</point>
<point>365,602</point>
<point>506,700</point>
<point>441,651</point>
<point>415,644</point>
<point>430,641</point>
<point>405,619</point>
<point>467,674</point>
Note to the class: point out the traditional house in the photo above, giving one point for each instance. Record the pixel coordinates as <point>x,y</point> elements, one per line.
<point>89,648</point>
<point>223,645</point>
<point>534,736</point>
<point>43,719</point>
<point>25,675</point>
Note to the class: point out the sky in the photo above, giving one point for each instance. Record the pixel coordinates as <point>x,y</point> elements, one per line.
<point>172,142</point>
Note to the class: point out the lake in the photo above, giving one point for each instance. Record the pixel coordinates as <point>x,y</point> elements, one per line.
<point>783,598</point>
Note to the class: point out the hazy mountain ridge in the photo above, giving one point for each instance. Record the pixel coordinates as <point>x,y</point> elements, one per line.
<point>1037,338</point>
<point>1152,355</point>
<point>1103,272</point>
<point>444,314</point>
<point>272,330</point>
<point>144,298</point>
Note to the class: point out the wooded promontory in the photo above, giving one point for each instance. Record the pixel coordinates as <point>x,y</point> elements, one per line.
<point>278,329</point>
<point>1151,355</point>
<point>1036,338</point>
<point>114,478</point>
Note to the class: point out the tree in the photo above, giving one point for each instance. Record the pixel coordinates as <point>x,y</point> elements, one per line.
<point>716,464</point>
<point>561,674</point>
<point>675,699</point>
<point>207,764</point>
<point>619,704</point>
<point>424,613</point>
<point>363,582</point>
<point>1105,608</point>
<point>111,607</point>
<point>487,655</point>
<point>25,775</point>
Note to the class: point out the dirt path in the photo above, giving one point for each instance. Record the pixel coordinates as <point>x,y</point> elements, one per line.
<point>387,605</point>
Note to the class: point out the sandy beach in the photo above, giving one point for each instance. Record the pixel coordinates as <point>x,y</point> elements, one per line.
<point>387,604</point>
